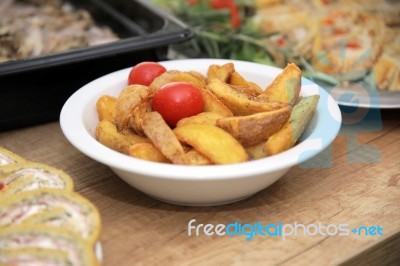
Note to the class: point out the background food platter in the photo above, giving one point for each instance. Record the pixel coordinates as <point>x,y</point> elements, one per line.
<point>349,48</point>
<point>33,90</point>
<point>362,95</point>
<point>362,98</point>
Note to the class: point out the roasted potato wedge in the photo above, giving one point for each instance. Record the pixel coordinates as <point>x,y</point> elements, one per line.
<point>221,72</point>
<point>240,83</point>
<point>208,118</point>
<point>214,105</point>
<point>246,90</point>
<point>147,151</point>
<point>105,106</point>
<point>250,130</point>
<point>240,103</point>
<point>196,158</point>
<point>161,135</point>
<point>256,151</point>
<point>198,75</point>
<point>287,137</point>
<point>126,102</point>
<point>108,135</point>
<point>176,76</point>
<point>135,120</point>
<point>213,142</point>
<point>285,88</point>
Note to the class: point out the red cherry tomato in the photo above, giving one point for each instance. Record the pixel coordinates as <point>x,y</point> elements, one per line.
<point>177,100</point>
<point>2,185</point>
<point>144,73</point>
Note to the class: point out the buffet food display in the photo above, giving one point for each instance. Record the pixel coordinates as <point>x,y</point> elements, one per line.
<point>44,41</point>
<point>33,28</point>
<point>335,42</point>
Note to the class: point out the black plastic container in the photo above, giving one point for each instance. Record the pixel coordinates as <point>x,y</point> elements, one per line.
<point>33,91</point>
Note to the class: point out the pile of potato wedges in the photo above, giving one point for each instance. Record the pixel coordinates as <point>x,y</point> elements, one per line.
<point>241,121</point>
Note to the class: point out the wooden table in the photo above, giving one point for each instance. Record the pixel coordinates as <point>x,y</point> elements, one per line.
<point>139,230</point>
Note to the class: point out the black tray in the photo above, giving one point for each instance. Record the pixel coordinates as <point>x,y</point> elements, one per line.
<point>33,91</point>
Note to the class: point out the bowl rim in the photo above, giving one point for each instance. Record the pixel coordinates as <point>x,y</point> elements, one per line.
<point>78,135</point>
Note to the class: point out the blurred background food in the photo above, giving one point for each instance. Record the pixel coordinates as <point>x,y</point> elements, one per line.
<point>30,28</point>
<point>334,41</point>
<point>43,41</point>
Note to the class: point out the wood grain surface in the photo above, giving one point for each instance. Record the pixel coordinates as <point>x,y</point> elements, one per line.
<point>331,189</point>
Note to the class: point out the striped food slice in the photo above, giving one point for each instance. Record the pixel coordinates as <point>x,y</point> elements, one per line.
<point>32,176</point>
<point>8,157</point>
<point>78,211</point>
<point>33,256</point>
<point>17,240</point>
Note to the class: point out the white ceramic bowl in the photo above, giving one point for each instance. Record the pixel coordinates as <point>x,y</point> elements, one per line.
<point>197,185</point>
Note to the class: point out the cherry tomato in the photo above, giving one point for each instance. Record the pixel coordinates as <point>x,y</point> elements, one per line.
<point>177,100</point>
<point>2,185</point>
<point>144,73</point>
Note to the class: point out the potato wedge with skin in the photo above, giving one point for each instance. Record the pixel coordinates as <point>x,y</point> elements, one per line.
<point>208,118</point>
<point>196,158</point>
<point>257,151</point>
<point>148,152</point>
<point>176,76</point>
<point>105,107</point>
<point>214,105</point>
<point>213,142</point>
<point>246,90</point>
<point>287,137</point>
<point>161,135</point>
<point>239,82</point>
<point>135,120</point>
<point>108,135</point>
<point>240,103</point>
<point>221,72</point>
<point>198,75</point>
<point>250,130</point>
<point>285,88</point>
<point>127,100</point>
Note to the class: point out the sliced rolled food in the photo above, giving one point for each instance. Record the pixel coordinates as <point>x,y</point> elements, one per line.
<point>8,157</point>
<point>74,210</point>
<point>34,256</point>
<point>40,243</point>
<point>25,176</point>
